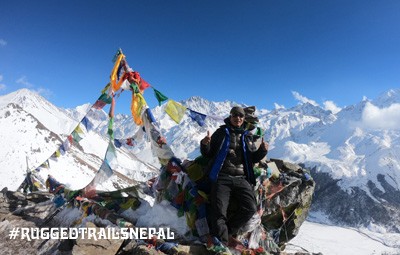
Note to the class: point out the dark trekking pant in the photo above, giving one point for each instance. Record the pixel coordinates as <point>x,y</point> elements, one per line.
<point>224,190</point>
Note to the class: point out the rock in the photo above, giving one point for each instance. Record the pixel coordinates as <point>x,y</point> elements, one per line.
<point>95,247</point>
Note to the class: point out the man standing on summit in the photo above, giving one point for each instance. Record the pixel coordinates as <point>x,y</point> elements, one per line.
<point>231,173</point>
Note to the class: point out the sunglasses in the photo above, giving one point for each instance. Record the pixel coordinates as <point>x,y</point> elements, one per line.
<point>237,115</point>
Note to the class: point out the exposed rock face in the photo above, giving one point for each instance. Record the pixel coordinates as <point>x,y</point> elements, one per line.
<point>31,211</point>
<point>101,246</point>
<point>286,210</point>
<point>18,211</point>
<point>378,207</point>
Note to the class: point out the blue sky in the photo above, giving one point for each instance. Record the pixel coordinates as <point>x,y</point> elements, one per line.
<point>252,52</point>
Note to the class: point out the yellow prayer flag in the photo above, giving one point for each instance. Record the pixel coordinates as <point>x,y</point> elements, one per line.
<point>106,88</point>
<point>137,105</point>
<point>114,84</point>
<point>175,110</point>
<point>78,129</point>
<point>57,153</point>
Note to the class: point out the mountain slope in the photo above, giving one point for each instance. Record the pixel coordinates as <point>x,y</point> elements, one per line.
<point>24,141</point>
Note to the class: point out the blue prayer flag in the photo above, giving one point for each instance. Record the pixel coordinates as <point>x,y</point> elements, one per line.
<point>86,122</point>
<point>198,117</point>
<point>117,143</point>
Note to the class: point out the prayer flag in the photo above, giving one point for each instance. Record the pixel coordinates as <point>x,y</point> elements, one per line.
<point>110,130</point>
<point>150,115</point>
<point>160,97</point>
<point>78,129</point>
<point>65,146</point>
<point>137,105</point>
<point>105,167</point>
<point>113,79</point>
<point>136,77</point>
<point>198,117</point>
<point>216,118</point>
<point>45,164</point>
<point>110,153</point>
<point>175,110</point>
<point>125,85</point>
<point>70,139</point>
<point>134,87</point>
<point>143,85</point>
<point>99,105</point>
<point>105,98</point>
<point>106,88</point>
<point>117,143</point>
<point>86,122</point>
<point>129,141</point>
<point>56,154</point>
<point>120,70</point>
<point>76,136</point>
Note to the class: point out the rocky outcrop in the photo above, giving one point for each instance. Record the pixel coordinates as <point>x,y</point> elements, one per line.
<point>35,210</point>
<point>378,207</point>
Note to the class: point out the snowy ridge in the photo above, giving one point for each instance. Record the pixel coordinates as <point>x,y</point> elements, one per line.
<point>55,119</point>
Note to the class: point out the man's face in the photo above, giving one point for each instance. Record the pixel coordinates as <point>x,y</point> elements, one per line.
<point>237,119</point>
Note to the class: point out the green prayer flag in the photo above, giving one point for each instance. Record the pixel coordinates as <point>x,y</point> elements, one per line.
<point>160,97</point>
<point>110,128</point>
<point>105,98</point>
<point>134,87</point>
<point>76,136</point>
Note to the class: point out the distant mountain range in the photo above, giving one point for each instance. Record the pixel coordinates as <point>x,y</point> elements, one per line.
<point>354,154</point>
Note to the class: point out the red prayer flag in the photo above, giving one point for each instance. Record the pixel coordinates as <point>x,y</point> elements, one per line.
<point>99,105</point>
<point>129,141</point>
<point>143,84</point>
<point>70,139</point>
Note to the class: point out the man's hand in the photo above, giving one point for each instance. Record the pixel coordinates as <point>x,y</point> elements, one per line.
<point>207,139</point>
<point>264,145</point>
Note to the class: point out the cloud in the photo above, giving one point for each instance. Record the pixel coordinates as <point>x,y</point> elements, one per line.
<point>3,43</point>
<point>44,92</point>
<point>331,106</point>
<point>40,90</point>
<point>278,106</point>
<point>303,99</point>
<point>24,81</point>
<point>381,118</point>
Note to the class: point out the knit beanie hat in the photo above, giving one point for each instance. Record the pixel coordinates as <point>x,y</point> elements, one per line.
<point>237,109</point>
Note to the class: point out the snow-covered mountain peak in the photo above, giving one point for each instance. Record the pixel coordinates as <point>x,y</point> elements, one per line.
<point>388,98</point>
<point>23,97</point>
<point>313,110</point>
<point>207,107</point>
<point>54,118</point>
<point>353,112</point>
